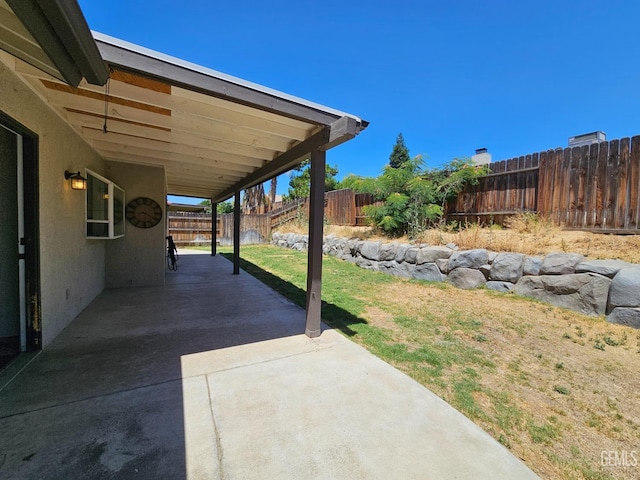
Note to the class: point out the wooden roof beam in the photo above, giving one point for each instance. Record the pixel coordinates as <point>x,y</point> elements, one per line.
<point>339,132</point>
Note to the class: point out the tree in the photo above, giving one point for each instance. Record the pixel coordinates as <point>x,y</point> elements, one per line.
<point>300,182</point>
<point>273,187</point>
<point>223,207</point>
<point>253,198</point>
<point>400,153</point>
<point>358,184</point>
<point>413,198</point>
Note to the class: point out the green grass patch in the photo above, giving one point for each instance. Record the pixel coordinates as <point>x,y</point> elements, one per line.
<point>545,433</point>
<point>449,348</point>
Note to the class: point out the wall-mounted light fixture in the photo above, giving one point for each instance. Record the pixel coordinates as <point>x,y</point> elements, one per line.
<point>78,182</point>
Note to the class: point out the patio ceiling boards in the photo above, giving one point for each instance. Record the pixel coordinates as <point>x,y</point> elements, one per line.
<point>213,134</point>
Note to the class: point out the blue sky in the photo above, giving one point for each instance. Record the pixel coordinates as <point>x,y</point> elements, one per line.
<point>452,76</point>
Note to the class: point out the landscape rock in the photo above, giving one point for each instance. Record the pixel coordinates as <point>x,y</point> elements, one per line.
<point>352,246</point>
<point>562,279</point>
<point>370,250</point>
<point>468,259</point>
<point>401,250</point>
<point>625,289</point>
<point>452,246</point>
<point>532,265</point>
<point>394,268</point>
<point>387,252</point>
<point>364,263</point>
<point>486,270</point>
<point>466,278</point>
<point>560,263</point>
<point>431,254</point>
<point>500,286</point>
<point>299,246</point>
<point>608,268</point>
<point>443,265</point>
<point>428,271</point>
<point>295,238</point>
<point>507,267</point>
<point>582,292</point>
<point>625,316</point>
<point>411,255</point>
<point>357,248</point>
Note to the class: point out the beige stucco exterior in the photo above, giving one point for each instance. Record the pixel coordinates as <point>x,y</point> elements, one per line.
<point>73,269</point>
<point>137,259</point>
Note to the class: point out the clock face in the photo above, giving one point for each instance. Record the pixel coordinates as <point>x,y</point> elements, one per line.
<point>143,212</point>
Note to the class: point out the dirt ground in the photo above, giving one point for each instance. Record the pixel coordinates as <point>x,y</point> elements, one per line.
<point>571,383</point>
<point>575,378</point>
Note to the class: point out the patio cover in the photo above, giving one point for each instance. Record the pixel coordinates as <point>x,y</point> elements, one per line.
<point>213,133</point>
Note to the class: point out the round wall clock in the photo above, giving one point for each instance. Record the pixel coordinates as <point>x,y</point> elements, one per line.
<point>143,212</point>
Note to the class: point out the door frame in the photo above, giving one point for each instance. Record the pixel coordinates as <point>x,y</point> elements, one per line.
<point>31,210</point>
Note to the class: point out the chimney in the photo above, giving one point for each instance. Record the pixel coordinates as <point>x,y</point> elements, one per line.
<point>587,139</point>
<point>482,157</point>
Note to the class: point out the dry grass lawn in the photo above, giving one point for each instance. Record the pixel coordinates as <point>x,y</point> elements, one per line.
<point>526,234</point>
<point>560,388</point>
<point>555,387</point>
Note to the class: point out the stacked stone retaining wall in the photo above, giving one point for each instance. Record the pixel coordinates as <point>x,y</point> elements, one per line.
<point>569,280</point>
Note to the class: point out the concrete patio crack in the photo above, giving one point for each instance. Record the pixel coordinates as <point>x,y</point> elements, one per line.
<point>216,432</point>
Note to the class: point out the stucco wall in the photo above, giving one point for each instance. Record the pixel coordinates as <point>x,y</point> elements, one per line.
<point>137,259</point>
<point>72,267</point>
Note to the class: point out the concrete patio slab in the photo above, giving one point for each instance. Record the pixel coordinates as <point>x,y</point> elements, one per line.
<point>210,377</point>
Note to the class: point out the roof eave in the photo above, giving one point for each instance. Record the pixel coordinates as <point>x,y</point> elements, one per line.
<point>127,56</point>
<point>62,32</point>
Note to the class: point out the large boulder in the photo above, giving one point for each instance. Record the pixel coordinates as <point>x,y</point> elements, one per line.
<point>468,259</point>
<point>365,263</point>
<point>486,270</point>
<point>560,263</point>
<point>401,250</point>
<point>299,246</point>
<point>352,246</point>
<point>625,289</point>
<point>466,278</point>
<point>500,286</point>
<point>387,252</point>
<point>582,292</point>
<point>443,265</point>
<point>507,267</point>
<point>532,265</point>
<point>625,316</point>
<point>431,254</point>
<point>295,238</point>
<point>394,268</point>
<point>608,268</point>
<point>428,271</point>
<point>370,250</point>
<point>411,255</point>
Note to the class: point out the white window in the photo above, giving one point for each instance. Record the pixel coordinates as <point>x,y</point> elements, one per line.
<point>105,208</point>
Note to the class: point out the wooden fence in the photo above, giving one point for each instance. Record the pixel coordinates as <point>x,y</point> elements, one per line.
<point>361,200</point>
<point>594,187</point>
<point>342,207</point>
<point>195,228</point>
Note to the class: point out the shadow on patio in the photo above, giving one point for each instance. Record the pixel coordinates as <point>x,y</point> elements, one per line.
<point>210,376</point>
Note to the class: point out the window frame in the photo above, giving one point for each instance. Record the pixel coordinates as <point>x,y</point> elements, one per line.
<point>112,188</point>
